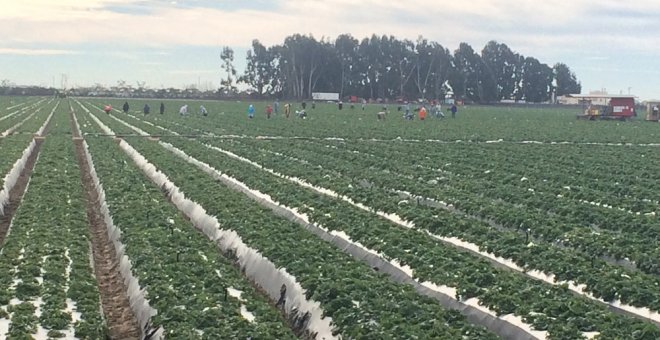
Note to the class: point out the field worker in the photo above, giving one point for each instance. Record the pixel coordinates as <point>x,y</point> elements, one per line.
<point>107,108</point>
<point>340,105</point>
<point>408,114</point>
<point>146,109</point>
<point>304,105</point>
<point>203,111</point>
<point>364,104</point>
<point>313,105</point>
<point>269,111</point>
<point>250,111</point>
<point>453,109</point>
<point>422,113</point>
<point>125,107</point>
<point>184,110</point>
<point>438,111</point>
<point>276,106</point>
<point>381,115</point>
<point>302,114</point>
<point>287,109</point>
<point>162,108</point>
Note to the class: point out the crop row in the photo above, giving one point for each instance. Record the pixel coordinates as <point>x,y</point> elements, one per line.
<point>47,286</point>
<point>471,276</point>
<point>604,280</point>
<point>612,283</point>
<point>472,196</point>
<point>189,283</point>
<point>20,109</point>
<point>359,301</point>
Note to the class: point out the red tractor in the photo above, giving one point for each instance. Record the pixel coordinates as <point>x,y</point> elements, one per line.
<point>606,107</point>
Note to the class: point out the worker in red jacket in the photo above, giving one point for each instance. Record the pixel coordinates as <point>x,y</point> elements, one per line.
<point>269,111</point>
<point>107,109</point>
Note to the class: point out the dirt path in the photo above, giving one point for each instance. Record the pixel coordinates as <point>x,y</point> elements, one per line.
<point>116,308</point>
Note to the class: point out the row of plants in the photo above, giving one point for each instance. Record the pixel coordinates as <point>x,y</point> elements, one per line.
<point>19,109</point>
<point>476,123</point>
<point>186,278</point>
<point>361,303</point>
<point>28,115</point>
<point>47,285</point>
<point>613,282</point>
<point>544,306</point>
<point>621,176</point>
<point>638,290</point>
<point>564,225</point>
<point>505,204</point>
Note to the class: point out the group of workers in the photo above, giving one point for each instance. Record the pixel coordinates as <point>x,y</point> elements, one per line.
<point>183,111</point>
<point>146,109</point>
<point>436,110</point>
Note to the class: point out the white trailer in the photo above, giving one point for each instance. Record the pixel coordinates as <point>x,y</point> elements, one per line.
<point>325,96</point>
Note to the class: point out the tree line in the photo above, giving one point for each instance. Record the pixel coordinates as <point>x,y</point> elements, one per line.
<point>387,67</point>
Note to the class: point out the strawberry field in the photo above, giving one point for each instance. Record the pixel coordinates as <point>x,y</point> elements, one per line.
<point>505,222</point>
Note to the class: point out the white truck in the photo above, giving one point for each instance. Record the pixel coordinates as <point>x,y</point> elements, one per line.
<point>321,96</point>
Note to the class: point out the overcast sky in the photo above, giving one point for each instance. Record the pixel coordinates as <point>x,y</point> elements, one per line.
<point>611,44</point>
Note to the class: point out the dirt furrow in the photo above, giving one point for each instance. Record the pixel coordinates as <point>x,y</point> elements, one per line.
<point>120,318</point>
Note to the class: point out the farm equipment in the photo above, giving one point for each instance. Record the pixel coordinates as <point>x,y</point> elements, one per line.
<point>653,111</point>
<point>606,107</point>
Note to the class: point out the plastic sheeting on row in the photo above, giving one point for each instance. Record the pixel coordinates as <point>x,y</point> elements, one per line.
<point>12,176</point>
<point>617,306</point>
<point>475,314</point>
<point>578,289</point>
<point>17,125</point>
<point>256,267</point>
<point>21,110</point>
<point>136,296</point>
<point>41,130</point>
<point>75,120</point>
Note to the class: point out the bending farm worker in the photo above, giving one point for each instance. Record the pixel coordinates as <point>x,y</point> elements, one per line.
<point>250,111</point>
<point>107,108</point>
<point>422,113</point>
<point>203,111</point>
<point>146,109</point>
<point>125,107</point>
<point>183,110</point>
<point>269,111</point>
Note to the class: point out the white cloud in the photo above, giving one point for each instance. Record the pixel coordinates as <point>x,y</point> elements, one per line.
<point>35,51</point>
<point>548,30</point>
<point>526,25</point>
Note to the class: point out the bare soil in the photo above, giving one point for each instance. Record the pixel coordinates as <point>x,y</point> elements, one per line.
<point>120,318</point>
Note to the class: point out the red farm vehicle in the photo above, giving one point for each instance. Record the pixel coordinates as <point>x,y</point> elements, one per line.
<point>606,107</point>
